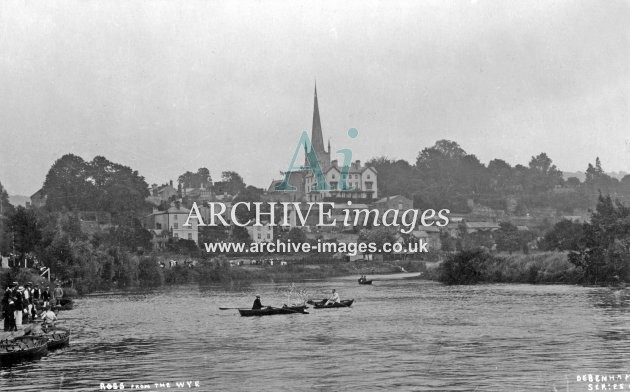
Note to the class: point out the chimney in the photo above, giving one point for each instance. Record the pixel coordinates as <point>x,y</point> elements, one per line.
<point>358,163</point>
<point>334,163</point>
<point>170,182</point>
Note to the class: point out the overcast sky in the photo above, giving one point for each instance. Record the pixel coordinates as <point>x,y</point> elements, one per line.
<point>170,86</point>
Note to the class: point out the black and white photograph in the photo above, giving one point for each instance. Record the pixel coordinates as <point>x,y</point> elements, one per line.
<point>266,195</point>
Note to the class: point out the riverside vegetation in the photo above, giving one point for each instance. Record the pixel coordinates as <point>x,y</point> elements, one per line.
<point>444,176</point>
<point>590,253</point>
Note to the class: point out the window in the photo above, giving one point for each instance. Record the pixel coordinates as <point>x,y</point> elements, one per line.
<point>190,236</point>
<point>268,236</point>
<point>175,226</point>
<point>333,176</point>
<point>158,226</point>
<point>176,235</point>
<point>368,185</point>
<point>333,184</point>
<point>259,236</point>
<point>175,217</point>
<point>368,176</point>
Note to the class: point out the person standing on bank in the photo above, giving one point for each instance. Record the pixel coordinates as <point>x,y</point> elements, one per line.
<point>8,307</point>
<point>58,294</point>
<point>46,296</point>
<point>37,294</point>
<point>19,306</point>
<point>27,303</point>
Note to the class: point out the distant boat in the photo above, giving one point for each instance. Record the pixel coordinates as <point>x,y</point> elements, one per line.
<point>362,281</point>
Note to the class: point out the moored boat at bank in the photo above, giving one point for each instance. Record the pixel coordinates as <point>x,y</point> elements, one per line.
<point>56,338</point>
<point>22,348</point>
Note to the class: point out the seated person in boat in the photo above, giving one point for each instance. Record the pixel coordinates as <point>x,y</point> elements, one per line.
<point>334,298</point>
<point>362,279</point>
<point>48,317</point>
<point>33,329</point>
<point>257,304</point>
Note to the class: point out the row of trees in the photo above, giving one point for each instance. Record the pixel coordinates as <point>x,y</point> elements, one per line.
<point>446,176</point>
<point>73,184</point>
<point>231,182</point>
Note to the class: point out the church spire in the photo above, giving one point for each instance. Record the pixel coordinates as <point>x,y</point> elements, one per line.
<point>317,138</point>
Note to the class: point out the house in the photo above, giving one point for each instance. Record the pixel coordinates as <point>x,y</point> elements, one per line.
<point>172,221</point>
<point>162,193</point>
<point>360,180</point>
<point>453,228</point>
<point>430,235</point>
<point>38,199</point>
<point>262,233</point>
<point>396,202</point>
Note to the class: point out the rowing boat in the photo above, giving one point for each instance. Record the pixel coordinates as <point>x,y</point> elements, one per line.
<point>365,281</point>
<point>56,337</point>
<point>269,311</point>
<point>65,304</point>
<point>346,303</point>
<point>22,348</point>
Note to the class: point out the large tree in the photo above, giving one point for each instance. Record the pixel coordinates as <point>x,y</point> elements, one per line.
<point>25,232</point>
<point>99,185</point>
<point>450,177</point>
<point>6,210</point>
<point>604,250</point>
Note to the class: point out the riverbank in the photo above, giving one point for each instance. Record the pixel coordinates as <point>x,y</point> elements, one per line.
<point>209,273</point>
<point>479,266</point>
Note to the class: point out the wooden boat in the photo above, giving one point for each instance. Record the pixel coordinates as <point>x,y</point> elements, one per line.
<point>365,281</point>
<point>56,337</point>
<point>321,304</point>
<point>65,304</point>
<point>22,348</point>
<point>269,311</point>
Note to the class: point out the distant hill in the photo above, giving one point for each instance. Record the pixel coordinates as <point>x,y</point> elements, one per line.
<point>582,176</point>
<point>19,200</point>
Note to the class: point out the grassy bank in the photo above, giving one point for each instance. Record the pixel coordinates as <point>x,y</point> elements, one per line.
<point>478,266</point>
<point>222,272</point>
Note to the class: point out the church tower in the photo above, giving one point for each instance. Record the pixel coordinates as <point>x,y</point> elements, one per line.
<point>317,138</point>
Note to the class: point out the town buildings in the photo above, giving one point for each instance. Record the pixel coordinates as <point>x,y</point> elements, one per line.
<point>356,182</point>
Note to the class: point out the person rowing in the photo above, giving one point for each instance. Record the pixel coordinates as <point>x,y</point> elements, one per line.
<point>257,304</point>
<point>334,298</point>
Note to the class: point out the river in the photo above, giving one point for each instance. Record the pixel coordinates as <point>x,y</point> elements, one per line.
<point>399,334</point>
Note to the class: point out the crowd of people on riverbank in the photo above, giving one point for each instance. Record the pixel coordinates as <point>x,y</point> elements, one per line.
<point>24,304</point>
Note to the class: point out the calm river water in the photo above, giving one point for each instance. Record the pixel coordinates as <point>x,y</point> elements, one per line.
<point>399,335</point>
